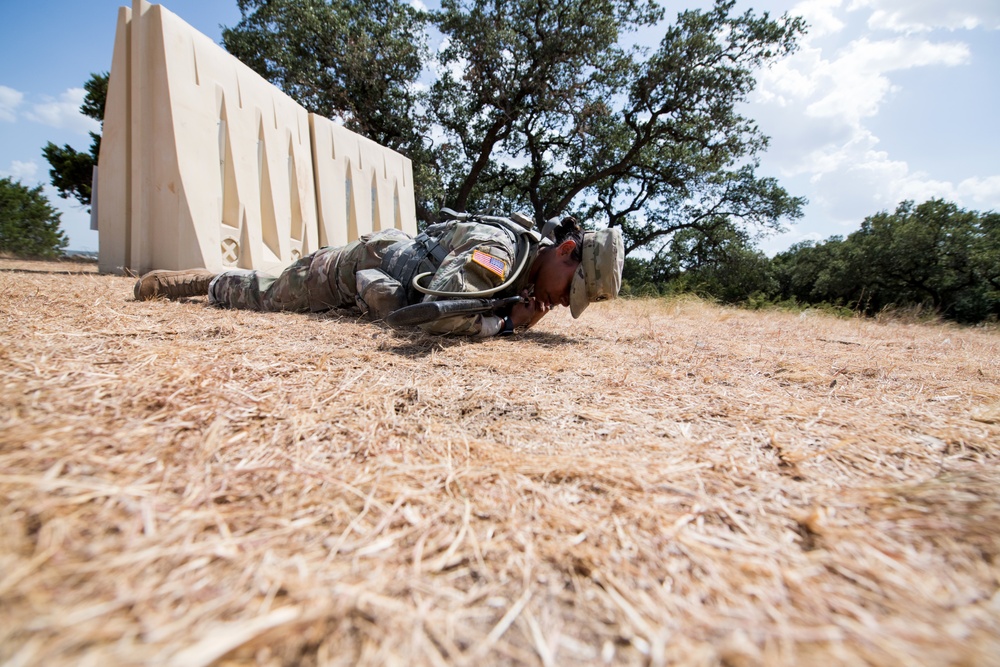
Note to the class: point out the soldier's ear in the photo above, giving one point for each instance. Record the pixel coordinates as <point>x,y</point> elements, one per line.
<point>566,248</point>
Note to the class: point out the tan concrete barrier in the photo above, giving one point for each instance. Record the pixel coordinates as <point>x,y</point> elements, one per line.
<point>360,186</point>
<point>203,163</point>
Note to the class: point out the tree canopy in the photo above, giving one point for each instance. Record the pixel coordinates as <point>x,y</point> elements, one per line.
<point>72,171</point>
<point>933,255</point>
<point>548,106</point>
<point>720,262</point>
<point>29,226</point>
<point>355,61</point>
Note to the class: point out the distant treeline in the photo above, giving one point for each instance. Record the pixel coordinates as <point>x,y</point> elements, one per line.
<point>934,258</point>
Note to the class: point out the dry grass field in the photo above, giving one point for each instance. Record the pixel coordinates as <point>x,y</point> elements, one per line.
<point>657,483</point>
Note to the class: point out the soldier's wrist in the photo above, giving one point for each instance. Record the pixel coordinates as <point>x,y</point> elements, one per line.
<point>510,327</point>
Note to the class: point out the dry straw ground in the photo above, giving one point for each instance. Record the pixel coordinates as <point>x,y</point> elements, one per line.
<point>657,483</point>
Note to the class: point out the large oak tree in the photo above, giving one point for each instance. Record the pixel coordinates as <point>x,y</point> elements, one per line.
<point>549,106</point>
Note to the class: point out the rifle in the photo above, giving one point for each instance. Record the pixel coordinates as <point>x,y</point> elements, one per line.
<point>428,311</point>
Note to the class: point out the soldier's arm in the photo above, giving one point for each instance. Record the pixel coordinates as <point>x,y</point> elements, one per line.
<point>481,267</point>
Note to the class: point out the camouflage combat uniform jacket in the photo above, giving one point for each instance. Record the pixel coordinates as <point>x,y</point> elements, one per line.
<point>462,256</point>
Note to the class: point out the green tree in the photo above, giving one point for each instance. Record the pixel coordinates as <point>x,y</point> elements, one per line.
<point>720,263</point>
<point>29,226</point>
<point>811,272</point>
<point>638,278</point>
<point>984,257</point>
<point>357,62</point>
<point>918,255</point>
<point>543,105</point>
<point>72,171</point>
<point>935,255</point>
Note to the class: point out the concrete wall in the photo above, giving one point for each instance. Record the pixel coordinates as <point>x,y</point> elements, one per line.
<point>203,163</point>
<point>360,186</point>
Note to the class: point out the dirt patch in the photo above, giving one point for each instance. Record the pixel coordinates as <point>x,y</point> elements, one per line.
<point>655,483</point>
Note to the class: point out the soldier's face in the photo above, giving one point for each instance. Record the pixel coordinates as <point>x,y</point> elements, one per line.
<point>555,274</point>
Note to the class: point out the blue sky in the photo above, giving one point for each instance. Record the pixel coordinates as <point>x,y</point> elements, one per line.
<point>885,100</point>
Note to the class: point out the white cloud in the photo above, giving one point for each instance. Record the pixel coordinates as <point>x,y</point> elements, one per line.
<point>854,180</point>
<point>855,84</point>
<point>981,193</point>
<point>897,183</point>
<point>819,14</point>
<point>10,100</point>
<point>891,181</point>
<point>911,16</point>
<point>819,106</point>
<point>64,113</point>
<point>790,80</point>
<point>25,172</point>
<point>834,157</point>
<point>847,177</point>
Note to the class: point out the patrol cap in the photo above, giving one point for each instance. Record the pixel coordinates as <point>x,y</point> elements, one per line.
<point>599,276</point>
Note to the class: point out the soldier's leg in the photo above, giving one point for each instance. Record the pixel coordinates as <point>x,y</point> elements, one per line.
<point>317,282</point>
<point>289,291</point>
<point>333,281</point>
<point>236,288</point>
<point>254,290</point>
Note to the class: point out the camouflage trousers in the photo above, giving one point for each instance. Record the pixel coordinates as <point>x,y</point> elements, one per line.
<point>317,282</point>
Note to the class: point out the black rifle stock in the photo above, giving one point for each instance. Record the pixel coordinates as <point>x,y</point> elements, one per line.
<point>428,311</point>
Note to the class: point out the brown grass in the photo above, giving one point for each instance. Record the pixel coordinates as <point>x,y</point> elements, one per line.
<point>657,483</point>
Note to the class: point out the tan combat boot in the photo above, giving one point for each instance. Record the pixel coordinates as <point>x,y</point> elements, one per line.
<point>173,284</point>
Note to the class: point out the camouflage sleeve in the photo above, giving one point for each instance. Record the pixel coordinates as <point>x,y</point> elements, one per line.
<point>481,267</point>
<point>466,325</point>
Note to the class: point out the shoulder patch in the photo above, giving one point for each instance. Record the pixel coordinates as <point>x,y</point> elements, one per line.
<point>490,263</point>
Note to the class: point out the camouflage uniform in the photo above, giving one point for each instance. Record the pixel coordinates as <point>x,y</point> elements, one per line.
<point>462,256</point>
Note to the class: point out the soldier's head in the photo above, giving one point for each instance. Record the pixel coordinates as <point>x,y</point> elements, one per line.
<point>580,267</point>
<point>599,275</point>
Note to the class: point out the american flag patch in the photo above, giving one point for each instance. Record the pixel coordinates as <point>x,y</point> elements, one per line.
<point>490,263</point>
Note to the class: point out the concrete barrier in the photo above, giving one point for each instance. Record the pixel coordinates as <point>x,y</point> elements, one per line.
<point>204,163</point>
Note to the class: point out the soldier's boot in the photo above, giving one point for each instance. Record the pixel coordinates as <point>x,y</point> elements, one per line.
<point>173,284</point>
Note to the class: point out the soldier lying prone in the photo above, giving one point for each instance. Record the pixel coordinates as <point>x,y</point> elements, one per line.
<point>514,274</point>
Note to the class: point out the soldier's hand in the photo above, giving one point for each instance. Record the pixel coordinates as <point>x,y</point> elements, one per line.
<point>527,313</point>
